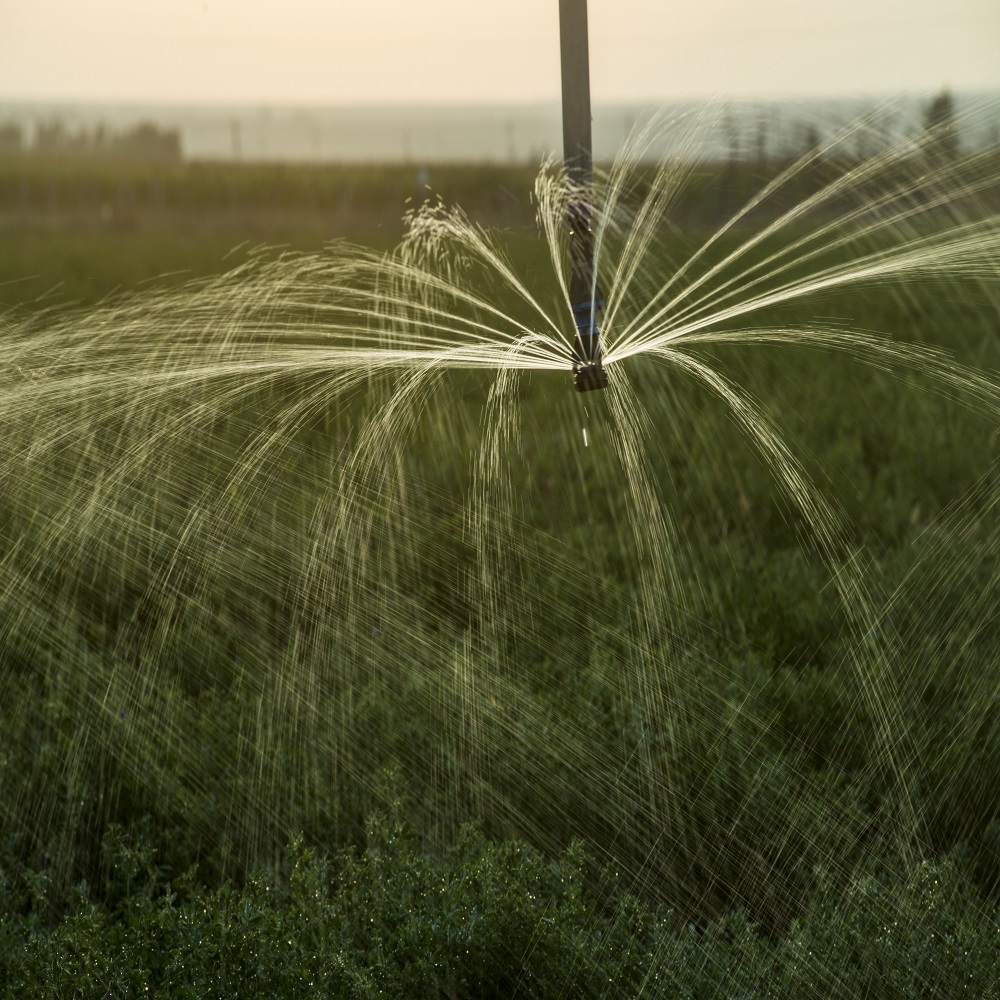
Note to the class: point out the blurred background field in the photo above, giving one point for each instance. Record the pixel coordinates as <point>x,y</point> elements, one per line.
<point>92,227</point>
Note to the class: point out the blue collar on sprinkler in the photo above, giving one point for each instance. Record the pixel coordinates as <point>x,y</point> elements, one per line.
<point>588,368</point>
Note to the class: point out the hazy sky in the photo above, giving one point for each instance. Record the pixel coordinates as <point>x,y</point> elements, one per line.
<point>466,51</point>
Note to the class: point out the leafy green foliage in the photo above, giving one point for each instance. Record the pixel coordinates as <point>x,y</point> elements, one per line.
<point>483,920</point>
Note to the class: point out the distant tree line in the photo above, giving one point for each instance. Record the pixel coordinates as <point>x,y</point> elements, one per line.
<point>940,139</point>
<point>144,141</point>
<point>939,133</point>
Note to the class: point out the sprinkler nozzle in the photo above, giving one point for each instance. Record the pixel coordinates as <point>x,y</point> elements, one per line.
<point>588,367</point>
<point>590,377</point>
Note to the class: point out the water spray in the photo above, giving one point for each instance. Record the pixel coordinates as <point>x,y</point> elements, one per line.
<point>586,298</point>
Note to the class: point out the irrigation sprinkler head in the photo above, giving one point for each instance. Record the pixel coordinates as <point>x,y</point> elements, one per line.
<point>588,366</point>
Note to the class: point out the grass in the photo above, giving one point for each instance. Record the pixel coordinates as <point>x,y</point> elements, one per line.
<point>170,728</point>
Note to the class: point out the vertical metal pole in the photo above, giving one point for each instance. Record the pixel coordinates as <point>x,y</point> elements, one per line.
<point>586,298</point>
<point>575,51</point>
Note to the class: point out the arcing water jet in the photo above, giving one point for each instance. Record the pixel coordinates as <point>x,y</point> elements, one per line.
<point>586,298</point>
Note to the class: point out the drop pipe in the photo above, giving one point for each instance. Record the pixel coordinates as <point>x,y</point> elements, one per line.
<point>585,296</point>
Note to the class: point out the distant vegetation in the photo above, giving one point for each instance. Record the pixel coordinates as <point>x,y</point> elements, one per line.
<point>145,141</point>
<point>941,137</point>
<point>760,132</point>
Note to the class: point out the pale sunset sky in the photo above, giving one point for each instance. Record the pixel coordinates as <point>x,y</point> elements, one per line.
<point>469,51</point>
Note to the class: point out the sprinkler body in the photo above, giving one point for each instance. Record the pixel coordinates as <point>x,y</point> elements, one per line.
<point>586,298</point>
<point>587,302</point>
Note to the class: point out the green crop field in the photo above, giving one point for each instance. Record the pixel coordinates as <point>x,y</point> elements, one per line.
<point>326,675</point>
